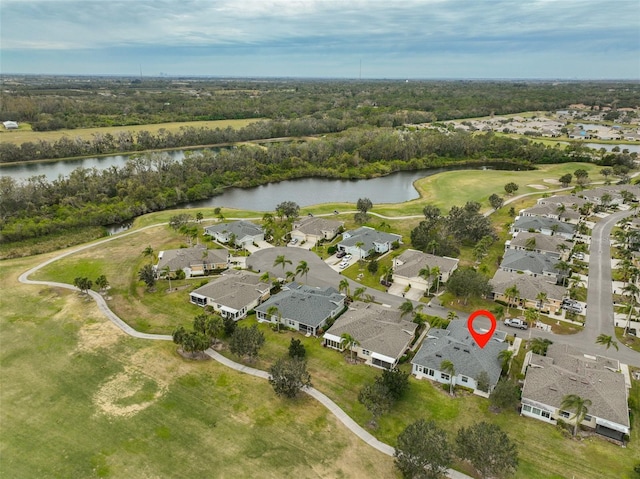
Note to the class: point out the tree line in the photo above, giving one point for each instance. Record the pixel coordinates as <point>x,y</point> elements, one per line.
<point>153,182</point>
<point>70,102</point>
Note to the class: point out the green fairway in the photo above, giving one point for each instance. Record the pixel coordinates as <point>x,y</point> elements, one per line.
<point>455,188</point>
<point>81,399</point>
<point>69,374</point>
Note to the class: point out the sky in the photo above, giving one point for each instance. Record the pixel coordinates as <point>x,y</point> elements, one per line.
<point>396,39</point>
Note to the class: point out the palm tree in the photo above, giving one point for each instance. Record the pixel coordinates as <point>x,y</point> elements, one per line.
<point>266,277</point>
<point>166,272</point>
<point>148,251</point>
<point>511,293</point>
<point>530,244</point>
<point>632,291</point>
<point>435,271</point>
<point>406,307</point>
<point>539,346</point>
<point>607,341</point>
<point>290,276</point>
<point>282,261</point>
<point>274,311</point>
<point>448,367</point>
<point>579,406</point>
<point>433,244</point>
<point>542,300</point>
<point>359,245</point>
<point>357,294</point>
<point>302,268</point>
<point>505,359</point>
<point>425,273</point>
<point>452,315</point>
<point>344,286</point>
<point>350,342</point>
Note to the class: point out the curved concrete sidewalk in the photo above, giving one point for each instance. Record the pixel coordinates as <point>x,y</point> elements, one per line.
<point>353,426</point>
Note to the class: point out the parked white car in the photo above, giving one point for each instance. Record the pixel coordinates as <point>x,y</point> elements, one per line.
<point>516,323</point>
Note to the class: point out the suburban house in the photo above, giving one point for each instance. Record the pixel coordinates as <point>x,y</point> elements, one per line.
<point>242,232</point>
<point>311,229</point>
<point>303,308</point>
<point>407,267</point>
<point>602,196</point>
<point>529,287</point>
<point>455,344</point>
<point>552,246</point>
<point>233,294</point>
<point>579,134</point>
<point>365,241</point>
<point>569,201</point>
<point>528,262</point>
<point>195,261</point>
<point>556,212</point>
<point>546,226</point>
<point>382,335</point>
<point>563,371</point>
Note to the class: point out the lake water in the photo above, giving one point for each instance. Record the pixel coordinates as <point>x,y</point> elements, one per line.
<point>394,188</point>
<point>52,169</point>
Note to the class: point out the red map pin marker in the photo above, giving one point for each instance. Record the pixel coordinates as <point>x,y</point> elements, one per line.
<point>481,338</point>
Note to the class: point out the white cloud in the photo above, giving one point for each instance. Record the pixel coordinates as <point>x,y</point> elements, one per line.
<point>348,27</point>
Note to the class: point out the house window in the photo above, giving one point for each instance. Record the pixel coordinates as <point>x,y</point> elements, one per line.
<point>419,368</point>
<point>291,322</point>
<point>545,414</point>
<point>365,352</point>
<point>526,407</point>
<point>445,376</point>
<point>464,379</point>
<point>587,417</point>
<point>564,414</point>
<point>431,372</point>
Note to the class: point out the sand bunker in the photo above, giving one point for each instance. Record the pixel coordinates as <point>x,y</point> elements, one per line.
<point>551,181</point>
<point>539,187</point>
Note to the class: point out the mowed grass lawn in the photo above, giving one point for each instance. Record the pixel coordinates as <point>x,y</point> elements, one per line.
<point>455,188</point>
<point>25,133</point>
<point>81,399</point>
<point>544,451</point>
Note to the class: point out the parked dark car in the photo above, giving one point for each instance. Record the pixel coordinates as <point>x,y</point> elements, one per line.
<point>340,254</point>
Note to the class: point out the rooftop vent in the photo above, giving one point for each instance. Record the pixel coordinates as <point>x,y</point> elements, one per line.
<point>438,355</point>
<point>466,351</point>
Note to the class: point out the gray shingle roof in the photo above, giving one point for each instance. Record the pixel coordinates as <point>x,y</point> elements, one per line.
<point>455,344</point>
<point>239,228</point>
<point>305,304</point>
<point>413,261</point>
<point>234,289</point>
<point>376,328</point>
<point>531,261</point>
<point>537,223</point>
<point>552,209</point>
<point>368,236</point>
<point>528,286</point>
<point>543,242</point>
<point>181,258</point>
<point>317,226</point>
<point>567,371</point>
<point>563,200</point>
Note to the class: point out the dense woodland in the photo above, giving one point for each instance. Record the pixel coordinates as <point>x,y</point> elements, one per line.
<point>153,182</point>
<point>291,107</point>
<point>359,130</point>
